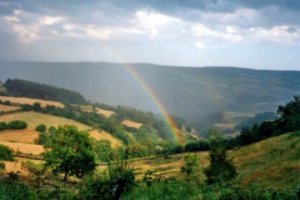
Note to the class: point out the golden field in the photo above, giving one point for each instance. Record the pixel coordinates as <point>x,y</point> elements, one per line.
<point>31,101</point>
<point>132,124</point>
<point>6,108</point>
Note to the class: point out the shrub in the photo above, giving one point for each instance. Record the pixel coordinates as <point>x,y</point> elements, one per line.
<point>6,153</point>
<point>41,128</point>
<point>118,180</point>
<point>220,169</point>
<point>17,124</point>
<point>3,126</point>
<point>10,189</point>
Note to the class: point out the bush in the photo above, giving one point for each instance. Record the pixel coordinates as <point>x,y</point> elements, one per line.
<point>15,190</point>
<point>220,169</point>
<point>41,128</point>
<point>118,180</point>
<point>3,126</point>
<point>6,153</point>
<point>17,124</point>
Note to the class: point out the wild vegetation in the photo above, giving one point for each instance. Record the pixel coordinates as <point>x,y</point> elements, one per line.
<point>76,166</point>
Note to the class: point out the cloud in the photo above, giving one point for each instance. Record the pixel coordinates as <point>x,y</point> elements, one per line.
<point>49,20</point>
<point>229,34</point>
<point>152,22</point>
<point>29,26</point>
<point>97,33</point>
<point>162,26</point>
<point>285,35</point>
<point>200,45</point>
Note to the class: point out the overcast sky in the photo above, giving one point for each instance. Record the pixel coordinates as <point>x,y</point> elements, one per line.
<point>244,33</point>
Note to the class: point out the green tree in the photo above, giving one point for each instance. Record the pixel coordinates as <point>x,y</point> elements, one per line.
<point>69,151</point>
<point>6,153</point>
<point>17,124</point>
<point>191,164</point>
<point>3,126</point>
<point>220,169</point>
<point>290,115</point>
<point>103,150</point>
<point>41,128</point>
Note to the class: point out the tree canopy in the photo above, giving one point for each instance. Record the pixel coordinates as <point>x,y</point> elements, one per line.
<point>69,151</point>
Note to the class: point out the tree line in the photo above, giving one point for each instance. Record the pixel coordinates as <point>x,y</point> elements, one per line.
<point>23,88</point>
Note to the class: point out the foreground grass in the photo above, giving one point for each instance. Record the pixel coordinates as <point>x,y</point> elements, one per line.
<point>189,191</point>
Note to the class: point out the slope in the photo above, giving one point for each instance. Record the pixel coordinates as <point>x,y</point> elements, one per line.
<point>273,162</point>
<point>199,95</point>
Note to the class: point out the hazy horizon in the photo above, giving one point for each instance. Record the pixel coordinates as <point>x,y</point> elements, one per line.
<point>157,64</point>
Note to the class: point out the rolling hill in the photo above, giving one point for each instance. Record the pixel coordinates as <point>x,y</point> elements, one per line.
<point>24,140</point>
<point>274,161</point>
<point>200,95</point>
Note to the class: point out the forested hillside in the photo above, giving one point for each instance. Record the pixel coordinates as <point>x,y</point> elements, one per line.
<point>199,95</point>
<point>24,88</point>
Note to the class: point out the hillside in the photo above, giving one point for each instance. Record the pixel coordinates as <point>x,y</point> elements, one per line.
<point>200,95</point>
<point>136,132</point>
<point>25,140</point>
<point>272,162</point>
<point>21,88</point>
<point>30,101</point>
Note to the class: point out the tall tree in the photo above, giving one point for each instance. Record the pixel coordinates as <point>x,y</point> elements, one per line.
<point>69,151</point>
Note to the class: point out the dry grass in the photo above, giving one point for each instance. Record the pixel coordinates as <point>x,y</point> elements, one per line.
<point>105,113</point>
<point>17,166</point>
<point>131,124</point>
<point>168,166</point>
<point>6,108</point>
<point>32,149</point>
<point>31,101</point>
<point>89,108</point>
<point>19,136</point>
<point>33,119</point>
<point>115,143</point>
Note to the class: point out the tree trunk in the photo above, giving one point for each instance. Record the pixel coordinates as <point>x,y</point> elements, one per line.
<point>66,176</point>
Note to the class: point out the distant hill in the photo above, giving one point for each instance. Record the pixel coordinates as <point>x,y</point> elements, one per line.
<point>24,88</point>
<point>200,95</point>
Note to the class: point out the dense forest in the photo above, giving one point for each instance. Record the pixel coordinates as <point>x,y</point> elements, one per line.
<point>26,88</point>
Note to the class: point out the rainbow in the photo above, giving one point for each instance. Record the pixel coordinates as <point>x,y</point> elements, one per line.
<point>168,119</point>
<point>151,94</point>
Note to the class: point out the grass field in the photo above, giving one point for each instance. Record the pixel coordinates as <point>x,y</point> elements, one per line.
<point>33,119</point>
<point>17,166</point>
<point>131,124</point>
<point>89,108</point>
<point>115,143</point>
<point>19,136</point>
<point>6,108</point>
<point>33,149</point>
<point>275,161</point>
<point>30,101</point>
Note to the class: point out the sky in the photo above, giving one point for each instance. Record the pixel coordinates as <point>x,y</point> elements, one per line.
<point>260,34</point>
